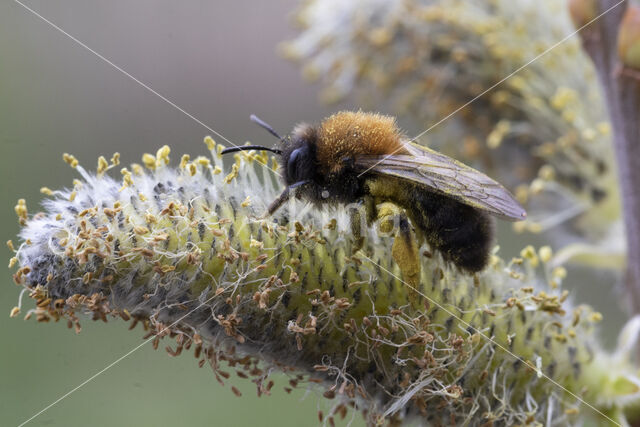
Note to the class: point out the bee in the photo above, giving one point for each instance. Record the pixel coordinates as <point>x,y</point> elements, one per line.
<point>365,158</point>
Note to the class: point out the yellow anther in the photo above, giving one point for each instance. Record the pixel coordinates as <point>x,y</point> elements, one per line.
<point>203,161</point>
<point>380,36</point>
<point>102,166</point>
<point>150,218</point>
<point>563,97</point>
<point>529,253</point>
<point>70,159</point>
<point>534,227</point>
<point>184,160</point>
<point>232,175</point>
<point>537,185</point>
<point>210,143</point>
<point>127,179</point>
<point>519,227</point>
<point>494,139</point>
<point>547,173</point>
<point>559,272</point>
<point>137,169</point>
<point>149,160</point>
<point>162,156</point>
<point>140,229</point>
<point>545,253</point>
<point>256,244</point>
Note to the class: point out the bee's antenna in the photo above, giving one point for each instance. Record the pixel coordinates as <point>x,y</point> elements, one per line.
<point>269,129</point>
<point>265,125</point>
<point>249,147</point>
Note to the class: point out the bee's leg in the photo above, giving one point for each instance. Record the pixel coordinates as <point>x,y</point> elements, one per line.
<point>275,205</point>
<point>405,252</point>
<point>355,216</point>
<point>370,209</point>
<point>355,220</point>
<point>387,214</point>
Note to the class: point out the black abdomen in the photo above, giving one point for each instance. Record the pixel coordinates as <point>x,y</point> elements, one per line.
<point>461,233</point>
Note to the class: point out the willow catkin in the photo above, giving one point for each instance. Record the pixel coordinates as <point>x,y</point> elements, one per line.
<point>184,252</point>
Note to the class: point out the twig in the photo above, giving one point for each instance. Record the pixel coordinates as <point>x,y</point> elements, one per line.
<point>621,88</point>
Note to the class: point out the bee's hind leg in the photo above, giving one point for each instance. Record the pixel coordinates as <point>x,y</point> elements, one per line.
<point>406,253</point>
<point>370,210</point>
<point>406,242</point>
<point>355,221</point>
<point>367,204</point>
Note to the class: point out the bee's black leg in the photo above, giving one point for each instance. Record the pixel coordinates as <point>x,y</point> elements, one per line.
<point>355,220</point>
<point>279,201</point>
<point>370,209</point>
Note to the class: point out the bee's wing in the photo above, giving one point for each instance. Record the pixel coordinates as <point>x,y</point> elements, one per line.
<point>446,176</point>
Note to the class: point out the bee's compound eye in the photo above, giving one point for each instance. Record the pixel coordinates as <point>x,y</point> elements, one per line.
<point>296,158</point>
<point>292,165</point>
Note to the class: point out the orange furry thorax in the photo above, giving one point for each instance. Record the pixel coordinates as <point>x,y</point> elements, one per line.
<point>348,134</point>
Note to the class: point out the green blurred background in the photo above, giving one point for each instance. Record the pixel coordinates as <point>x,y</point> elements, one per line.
<point>218,61</point>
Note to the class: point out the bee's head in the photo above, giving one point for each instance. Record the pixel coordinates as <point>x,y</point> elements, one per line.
<point>297,152</point>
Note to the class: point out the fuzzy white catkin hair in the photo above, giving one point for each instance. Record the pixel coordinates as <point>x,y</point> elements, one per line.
<point>184,252</point>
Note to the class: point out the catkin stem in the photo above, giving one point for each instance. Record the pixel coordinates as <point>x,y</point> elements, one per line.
<point>622,94</point>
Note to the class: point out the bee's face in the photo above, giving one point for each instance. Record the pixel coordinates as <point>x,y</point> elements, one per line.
<point>298,156</point>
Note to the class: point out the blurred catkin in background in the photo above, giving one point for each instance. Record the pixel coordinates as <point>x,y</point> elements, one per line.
<point>181,251</point>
